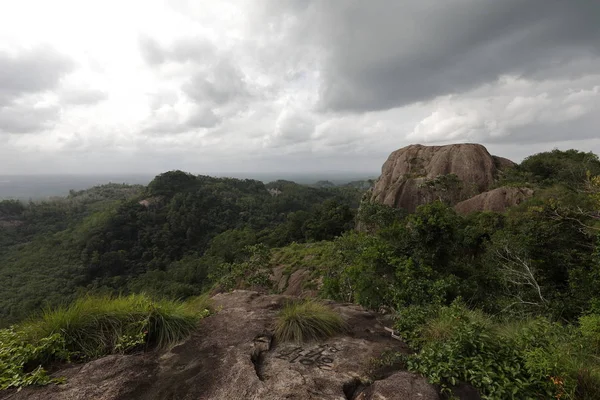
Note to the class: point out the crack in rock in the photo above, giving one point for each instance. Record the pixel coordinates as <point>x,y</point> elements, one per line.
<point>352,388</point>
<point>261,344</point>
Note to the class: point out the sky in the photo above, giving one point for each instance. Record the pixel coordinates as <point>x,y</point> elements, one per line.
<point>290,85</point>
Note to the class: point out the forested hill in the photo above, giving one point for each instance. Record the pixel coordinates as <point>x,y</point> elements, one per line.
<point>120,238</point>
<point>506,301</point>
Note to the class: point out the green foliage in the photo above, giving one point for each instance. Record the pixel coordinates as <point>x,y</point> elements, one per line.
<point>444,188</point>
<point>230,245</point>
<point>11,208</point>
<point>569,168</point>
<point>329,220</point>
<point>363,271</point>
<point>523,359</point>
<point>110,239</point>
<point>95,326</point>
<point>20,360</point>
<point>254,271</point>
<point>411,321</point>
<point>171,183</point>
<point>590,329</point>
<point>315,256</point>
<point>405,264</point>
<point>92,327</point>
<point>373,217</point>
<point>389,360</point>
<point>307,320</point>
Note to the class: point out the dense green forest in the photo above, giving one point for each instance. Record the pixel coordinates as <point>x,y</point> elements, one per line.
<point>166,238</point>
<point>508,302</point>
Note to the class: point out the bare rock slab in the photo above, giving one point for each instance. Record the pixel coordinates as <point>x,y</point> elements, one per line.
<point>233,355</point>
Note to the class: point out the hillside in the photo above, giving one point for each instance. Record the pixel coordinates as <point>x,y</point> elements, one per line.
<point>118,238</point>
<point>492,300</point>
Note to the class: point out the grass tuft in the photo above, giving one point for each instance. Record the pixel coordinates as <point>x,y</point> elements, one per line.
<point>94,326</point>
<point>307,320</point>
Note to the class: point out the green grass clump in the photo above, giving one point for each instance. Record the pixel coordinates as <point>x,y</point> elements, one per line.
<point>94,326</point>
<point>307,320</point>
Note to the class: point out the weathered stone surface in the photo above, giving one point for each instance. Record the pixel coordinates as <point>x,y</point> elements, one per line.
<point>502,163</point>
<point>299,283</point>
<point>409,167</point>
<point>494,200</point>
<point>401,385</point>
<point>233,356</point>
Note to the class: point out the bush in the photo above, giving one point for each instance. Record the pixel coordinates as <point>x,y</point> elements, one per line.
<point>92,327</point>
<point>307,320</point>
<point>20,360</point>
<point>253,272</point>
<point>590,329</point>
<point>504,360</point>
<point>469,351</point>
<point>410,322</point>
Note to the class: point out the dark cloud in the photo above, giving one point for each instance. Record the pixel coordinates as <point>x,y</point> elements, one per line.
<point>215,80</point>
<point>26,118</point>
<point>221,84</point>
<point>172,123</point>
<point>201,117</point>
<point>151,51</point>
<point>382,54</point>
<point>24,75</point>
<point>31,71</point>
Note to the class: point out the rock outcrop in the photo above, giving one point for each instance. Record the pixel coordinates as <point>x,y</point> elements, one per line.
<point>233,356</point>
<point>494,200</point>
<point>408,170</point>
<point>401,385</point>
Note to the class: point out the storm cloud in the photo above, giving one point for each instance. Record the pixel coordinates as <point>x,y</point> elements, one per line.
<point>383,54</point>
<point>212,87</point>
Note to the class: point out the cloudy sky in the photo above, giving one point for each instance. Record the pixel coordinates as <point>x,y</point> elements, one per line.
<point>300,85</point>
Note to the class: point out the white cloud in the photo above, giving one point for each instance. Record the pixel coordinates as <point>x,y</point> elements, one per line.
<point>292,127</point>
<point>513,109</point>
<point>230,85</point>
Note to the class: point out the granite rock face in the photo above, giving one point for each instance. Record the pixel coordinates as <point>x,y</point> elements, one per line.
<point>494,200</point>
<point>407,171</point>
<point>234,356</point>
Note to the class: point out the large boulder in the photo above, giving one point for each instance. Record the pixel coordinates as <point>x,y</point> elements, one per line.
<point>494,200</point>
<point>233,356</point>
<point>407,171</point>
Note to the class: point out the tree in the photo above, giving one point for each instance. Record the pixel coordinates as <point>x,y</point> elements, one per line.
<point>169,183</point>
<point>444,188</point>
<point>329,220</point>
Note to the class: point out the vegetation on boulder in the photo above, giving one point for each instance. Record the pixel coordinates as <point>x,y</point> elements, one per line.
<point>307,320</point>
<point>92,327</point>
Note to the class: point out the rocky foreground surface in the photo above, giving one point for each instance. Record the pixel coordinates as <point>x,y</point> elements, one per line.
<point>233,356</point>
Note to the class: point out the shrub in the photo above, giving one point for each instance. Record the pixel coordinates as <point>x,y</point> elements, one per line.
<point>524,359</point>
<point>590,329</point>
<point>20,360</point>
<point>307,320</point>
<point>410,322</point>
<point>254,271</point>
